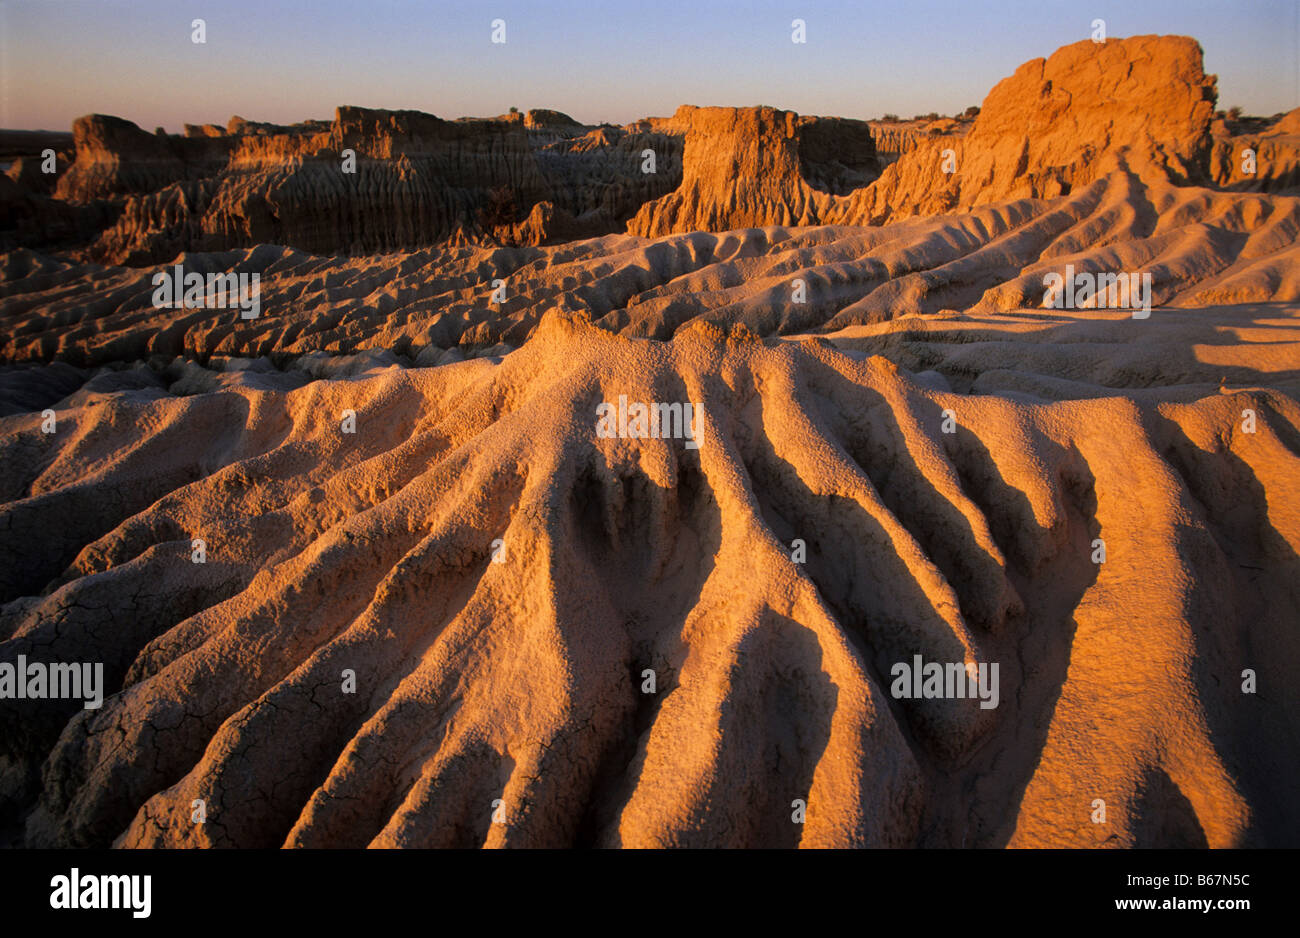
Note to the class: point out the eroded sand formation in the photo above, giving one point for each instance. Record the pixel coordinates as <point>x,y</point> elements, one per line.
<point>498,577</point>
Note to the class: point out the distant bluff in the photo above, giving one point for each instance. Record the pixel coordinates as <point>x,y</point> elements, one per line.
<point>523,178</point>
<point>1141,106</point>
<point>1143,103</point>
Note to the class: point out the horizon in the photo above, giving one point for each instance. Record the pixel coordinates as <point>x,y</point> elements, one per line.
<point>280,64</point>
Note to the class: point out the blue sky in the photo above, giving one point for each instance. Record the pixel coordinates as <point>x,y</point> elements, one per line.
<point>613,61</point>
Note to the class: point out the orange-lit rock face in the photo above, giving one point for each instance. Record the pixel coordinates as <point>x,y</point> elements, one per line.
<point>1141,104</point>
<point>395,563</point>
<point>742,169</point>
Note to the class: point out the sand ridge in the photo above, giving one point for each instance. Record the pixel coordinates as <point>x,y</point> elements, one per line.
<point>520,680</point>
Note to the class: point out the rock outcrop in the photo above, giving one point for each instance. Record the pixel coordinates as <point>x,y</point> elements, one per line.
<point>1144,104</point>
<point>1141,105</point>
<point>1263,161</point>
<point>750,167</point>
<point>114,158</point>
<point>369,181</point>
<point>523,178</point>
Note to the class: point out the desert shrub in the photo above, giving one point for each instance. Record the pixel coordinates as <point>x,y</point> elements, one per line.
<point>500,209</point>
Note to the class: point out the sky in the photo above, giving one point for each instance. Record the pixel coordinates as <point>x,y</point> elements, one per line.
<point>607,60</point>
